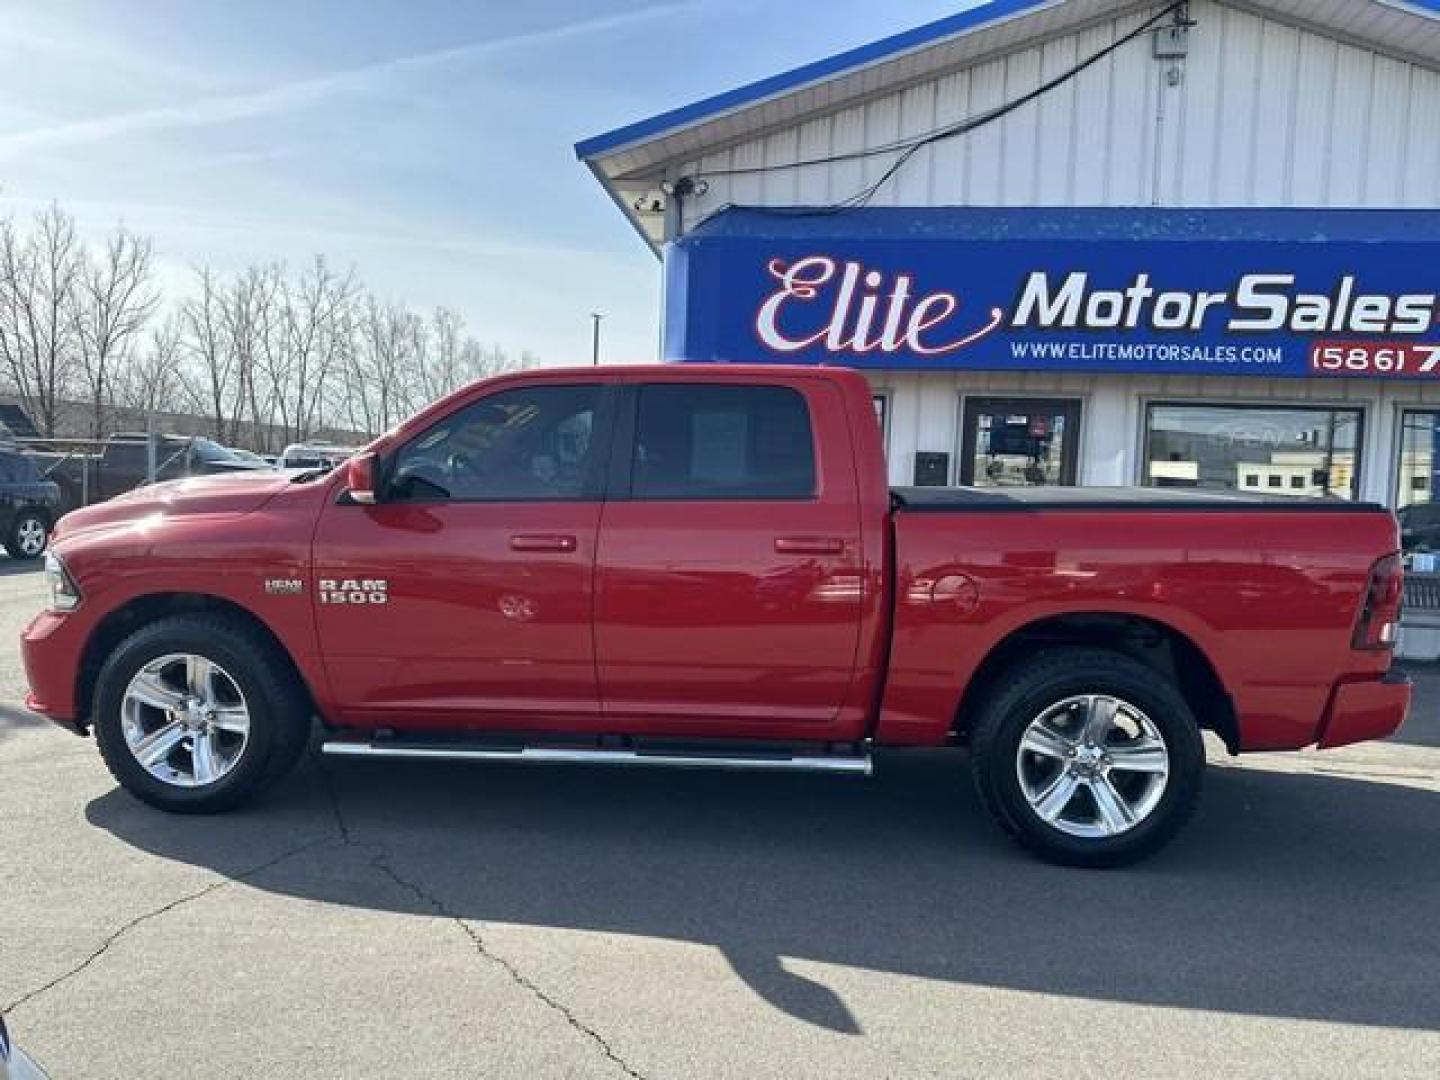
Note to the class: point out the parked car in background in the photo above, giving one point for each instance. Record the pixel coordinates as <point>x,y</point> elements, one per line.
<point>313,456</point>
<point>123,464</point>
<point>1420,527</point>
<point>258,460</point>
<point>29,506</point>
<point>704,567</point>
<point>14,1065</point>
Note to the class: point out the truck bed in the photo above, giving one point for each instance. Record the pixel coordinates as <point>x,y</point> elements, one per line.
<point>1272,605</point>
<point>993,500</point>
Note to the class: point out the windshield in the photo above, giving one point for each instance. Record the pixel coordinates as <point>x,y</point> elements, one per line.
<point>206,450</point>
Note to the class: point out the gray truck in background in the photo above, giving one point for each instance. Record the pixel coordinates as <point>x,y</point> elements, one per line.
<point>125,461</point>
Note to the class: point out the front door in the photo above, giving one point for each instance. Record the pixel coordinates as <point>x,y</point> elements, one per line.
<point>1020,442</point>
<point>730,574</point>
<point>463,597</point>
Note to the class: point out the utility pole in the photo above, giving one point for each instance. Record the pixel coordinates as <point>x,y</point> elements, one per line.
<point>595,317</point>
<point>149,446</point>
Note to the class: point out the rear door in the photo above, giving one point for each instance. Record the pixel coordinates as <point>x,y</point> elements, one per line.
<point>729,573</point>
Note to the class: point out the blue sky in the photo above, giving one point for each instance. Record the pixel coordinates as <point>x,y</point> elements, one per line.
<point>427,142</point>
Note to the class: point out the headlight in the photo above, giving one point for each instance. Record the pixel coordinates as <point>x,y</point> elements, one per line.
<point>64,596</point>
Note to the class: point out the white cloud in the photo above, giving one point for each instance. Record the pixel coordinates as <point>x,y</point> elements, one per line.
<point>306,93</point>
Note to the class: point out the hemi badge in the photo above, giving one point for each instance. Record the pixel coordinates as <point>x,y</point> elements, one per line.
<point>284,587</point>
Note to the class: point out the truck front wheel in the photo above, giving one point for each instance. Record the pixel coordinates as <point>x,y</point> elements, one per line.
<point>198,713</point>
<point>1088,757</point>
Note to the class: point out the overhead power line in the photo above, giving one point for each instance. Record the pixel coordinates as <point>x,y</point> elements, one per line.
<point>906,149</point>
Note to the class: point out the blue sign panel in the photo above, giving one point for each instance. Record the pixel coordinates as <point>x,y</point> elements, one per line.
<point>1221,292</point>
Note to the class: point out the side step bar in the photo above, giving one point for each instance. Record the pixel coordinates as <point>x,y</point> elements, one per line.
<point>852,764</point>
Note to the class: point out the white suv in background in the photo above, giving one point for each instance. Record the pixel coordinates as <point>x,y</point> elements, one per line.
<point>313,456</point>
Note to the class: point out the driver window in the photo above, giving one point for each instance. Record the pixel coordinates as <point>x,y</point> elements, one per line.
<point>530,444</point>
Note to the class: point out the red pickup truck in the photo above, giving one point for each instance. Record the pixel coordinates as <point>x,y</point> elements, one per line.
<point>704,566</point>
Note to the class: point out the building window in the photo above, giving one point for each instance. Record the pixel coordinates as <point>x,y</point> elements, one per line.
<point>1305,451</point>
<point>1419,458</point>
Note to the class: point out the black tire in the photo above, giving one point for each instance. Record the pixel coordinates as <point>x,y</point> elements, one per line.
<point>15,543</point>
<point>1026,691</point>
<point>278,706</point>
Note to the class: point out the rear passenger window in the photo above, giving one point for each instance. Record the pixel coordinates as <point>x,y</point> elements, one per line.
<point>722,442</point>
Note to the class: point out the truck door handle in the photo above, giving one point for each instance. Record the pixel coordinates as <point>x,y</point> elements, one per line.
<point>542,542</point>
<point>809,545</point>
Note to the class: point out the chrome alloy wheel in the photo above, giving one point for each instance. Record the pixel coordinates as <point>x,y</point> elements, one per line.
<point>31,536</point>
<point>1093,766</point>
<point>185,720</point>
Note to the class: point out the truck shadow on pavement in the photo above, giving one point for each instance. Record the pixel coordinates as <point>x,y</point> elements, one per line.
<point>1291,895</point>
<point>13,720</point>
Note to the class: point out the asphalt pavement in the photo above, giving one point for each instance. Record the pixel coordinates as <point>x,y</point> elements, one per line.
<point>411,919</point>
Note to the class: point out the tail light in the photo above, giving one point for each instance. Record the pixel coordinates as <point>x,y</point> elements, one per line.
<point>1380,615</point>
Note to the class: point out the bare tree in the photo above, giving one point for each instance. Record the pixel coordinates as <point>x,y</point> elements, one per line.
<point>315,323</point>
<point>251,319</point>
<point>211,374</point>
<point>114,300</point>
<point>39,279</point>
<point>439,356</point>
<point>149,381</point>
<point>382,356</point>
<point>445,358</point>
<point>267,356</point>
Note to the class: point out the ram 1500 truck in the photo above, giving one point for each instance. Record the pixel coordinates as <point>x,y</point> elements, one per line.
<point>704,566</point>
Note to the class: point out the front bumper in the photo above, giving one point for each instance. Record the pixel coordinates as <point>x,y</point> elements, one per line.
<point>1361,711</point>
<point>51,648</point>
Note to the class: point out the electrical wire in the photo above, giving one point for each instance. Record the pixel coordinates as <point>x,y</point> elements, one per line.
<point>908,148</point>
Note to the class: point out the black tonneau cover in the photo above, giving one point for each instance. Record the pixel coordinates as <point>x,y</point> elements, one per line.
<point>993,500</point>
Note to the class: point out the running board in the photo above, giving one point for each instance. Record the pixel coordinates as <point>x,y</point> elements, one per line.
<point>850,764</point>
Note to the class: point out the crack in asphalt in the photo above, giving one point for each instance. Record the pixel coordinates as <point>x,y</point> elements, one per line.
<point>379,862</point>
<point>155,913</point>
<point>518,977</point>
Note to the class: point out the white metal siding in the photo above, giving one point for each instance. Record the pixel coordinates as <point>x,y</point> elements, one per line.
<point>1265,115</point>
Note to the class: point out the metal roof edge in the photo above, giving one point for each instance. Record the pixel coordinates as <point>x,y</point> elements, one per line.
<point>1429,9</point>
<point>968,21</point>
<point>973,19</point>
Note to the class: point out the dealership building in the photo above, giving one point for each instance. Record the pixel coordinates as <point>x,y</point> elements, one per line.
<point>1082,241</point>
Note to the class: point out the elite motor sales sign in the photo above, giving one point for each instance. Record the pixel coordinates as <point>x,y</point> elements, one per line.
<point>1215,292</point>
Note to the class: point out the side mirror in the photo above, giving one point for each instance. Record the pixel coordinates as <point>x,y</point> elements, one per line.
<point>360,479</point>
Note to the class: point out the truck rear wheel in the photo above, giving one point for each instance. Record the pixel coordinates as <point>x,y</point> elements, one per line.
<point>1088,757</point>
<point>198,714</point>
